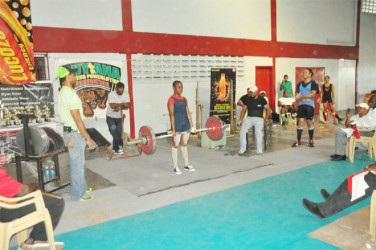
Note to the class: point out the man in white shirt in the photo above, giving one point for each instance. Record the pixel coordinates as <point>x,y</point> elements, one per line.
<point>341,135</point>
<point>287,104</point>
<point>117,100</point>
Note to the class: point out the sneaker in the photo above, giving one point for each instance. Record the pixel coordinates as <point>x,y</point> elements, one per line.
<point>189,168</point>
<point>86,198</point>
<point>119,151</point>
<point>241,152</point>
<point>311,144</point>
<point>177,170</point>
<point>89,190</point>
<point>259,153</point>
<point>296,144</point>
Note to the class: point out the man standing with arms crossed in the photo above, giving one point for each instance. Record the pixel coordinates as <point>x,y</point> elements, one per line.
<point>75,135</point>
<point>305,94</point>
<point>118,100</point>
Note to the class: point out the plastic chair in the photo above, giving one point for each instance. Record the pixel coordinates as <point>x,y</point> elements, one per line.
<point>19,226</point>
<point>372,216</point>
<point>371,140</point>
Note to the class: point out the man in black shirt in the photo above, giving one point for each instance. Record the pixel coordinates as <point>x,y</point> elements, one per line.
<point>255,105</point>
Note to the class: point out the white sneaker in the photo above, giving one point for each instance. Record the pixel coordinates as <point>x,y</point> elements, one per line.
<point>120,151</point>
<point>241,152</point>
<point>189,168</point>
<point>177,170</point>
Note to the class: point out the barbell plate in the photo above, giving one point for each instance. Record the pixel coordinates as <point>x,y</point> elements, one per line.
<point>148,142</point>
<point>214,127</point>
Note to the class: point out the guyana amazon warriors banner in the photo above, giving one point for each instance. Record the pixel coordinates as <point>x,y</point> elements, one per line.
<point>16,43</point>
<point>94,81</point>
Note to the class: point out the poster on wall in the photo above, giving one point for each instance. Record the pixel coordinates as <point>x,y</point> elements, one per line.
<point>34,99</point>
<point>16,43</point>
<point>223,82</point>
<point>94,81</point>
<point>318,76</point>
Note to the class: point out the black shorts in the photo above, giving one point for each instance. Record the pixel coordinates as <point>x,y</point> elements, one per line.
<point>306,111</point>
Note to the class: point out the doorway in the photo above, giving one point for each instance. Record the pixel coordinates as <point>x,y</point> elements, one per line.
<point>264,82</point>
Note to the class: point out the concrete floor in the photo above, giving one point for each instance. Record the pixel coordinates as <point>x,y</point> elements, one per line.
<point>115,201</point>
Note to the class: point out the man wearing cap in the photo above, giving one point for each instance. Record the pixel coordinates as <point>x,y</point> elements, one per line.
<point>255,105</point>
<point>342,134</point>
<point>75,135</point>
<point>305,94</point>
<point>118,101</point>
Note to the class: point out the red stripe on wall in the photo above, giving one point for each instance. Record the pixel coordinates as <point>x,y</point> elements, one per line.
<point>273,19</point>
<point>130,91</point>
<point>126,7</point>
<point>95,41</point>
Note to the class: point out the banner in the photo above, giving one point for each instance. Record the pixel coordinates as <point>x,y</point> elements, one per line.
<point>16,43</point>
<point>94,81</point>
<point>222,93</point>
<point>34,99</point>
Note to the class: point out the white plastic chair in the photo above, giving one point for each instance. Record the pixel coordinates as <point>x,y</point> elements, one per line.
<point>19,226</point>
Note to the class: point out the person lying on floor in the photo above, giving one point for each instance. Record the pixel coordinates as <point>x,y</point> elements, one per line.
<point>12,188</point>
<point>352,190</point>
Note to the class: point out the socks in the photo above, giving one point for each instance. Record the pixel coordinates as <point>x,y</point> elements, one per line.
<point>174,153</point>
<point>184,152</point>
<point>299,133</point>
<point>310,132</point>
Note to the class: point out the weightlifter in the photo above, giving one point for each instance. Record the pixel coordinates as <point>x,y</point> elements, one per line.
<point>181,125</point>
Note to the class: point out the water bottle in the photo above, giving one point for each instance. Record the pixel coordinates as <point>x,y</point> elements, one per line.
<point>47,173</point>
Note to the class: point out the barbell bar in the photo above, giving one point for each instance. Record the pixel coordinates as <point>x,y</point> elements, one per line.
<point>147,140</point>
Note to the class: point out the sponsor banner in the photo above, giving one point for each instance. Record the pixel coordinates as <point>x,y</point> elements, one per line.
<point>26,99</point>
<point>222,87</point>
<point>94,81</point>
<point>16,43</point>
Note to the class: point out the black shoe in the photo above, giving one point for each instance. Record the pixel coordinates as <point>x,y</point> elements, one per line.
<point>334,156</point>
<point>339,158</point>
<point>324,193</point>
<point>313,208</point>
<point>311,145</point>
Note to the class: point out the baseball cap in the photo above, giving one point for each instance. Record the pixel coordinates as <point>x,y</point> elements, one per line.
<point>253,89</point>
<point>362,105</point>
<point>63,71</point>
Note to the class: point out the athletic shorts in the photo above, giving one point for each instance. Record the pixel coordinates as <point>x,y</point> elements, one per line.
<point>178,137</point>
<point>306,111</point>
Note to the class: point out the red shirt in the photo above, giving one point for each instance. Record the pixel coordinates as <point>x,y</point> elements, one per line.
<point>9,187</point>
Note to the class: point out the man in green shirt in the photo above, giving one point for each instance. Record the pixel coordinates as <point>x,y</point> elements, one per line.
<point>75,134</point>
<point>286,85</point>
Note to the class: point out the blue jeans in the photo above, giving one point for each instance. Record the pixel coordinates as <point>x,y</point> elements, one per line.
<point>116,130</point>
<point>341,198</point>
<point>76,149</point>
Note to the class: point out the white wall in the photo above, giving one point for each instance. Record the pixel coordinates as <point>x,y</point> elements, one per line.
<point>367,55</point>
<point>79,14</point>
<point>218,18</point>
<point>317,22</point>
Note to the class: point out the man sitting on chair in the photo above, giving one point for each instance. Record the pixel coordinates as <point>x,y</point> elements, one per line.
<point>287,105</point>
<point>11,188</point>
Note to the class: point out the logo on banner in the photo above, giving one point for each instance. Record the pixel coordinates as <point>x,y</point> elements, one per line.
<point>94,81</point>
<point>16,43</point>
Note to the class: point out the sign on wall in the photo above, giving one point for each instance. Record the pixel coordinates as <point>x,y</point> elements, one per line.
<point>34,99</point>
<point>16,43</point>
<point>94,81</point>
<point>223,82</point>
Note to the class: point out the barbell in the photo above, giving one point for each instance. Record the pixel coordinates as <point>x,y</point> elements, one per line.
<point>147,140</point>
